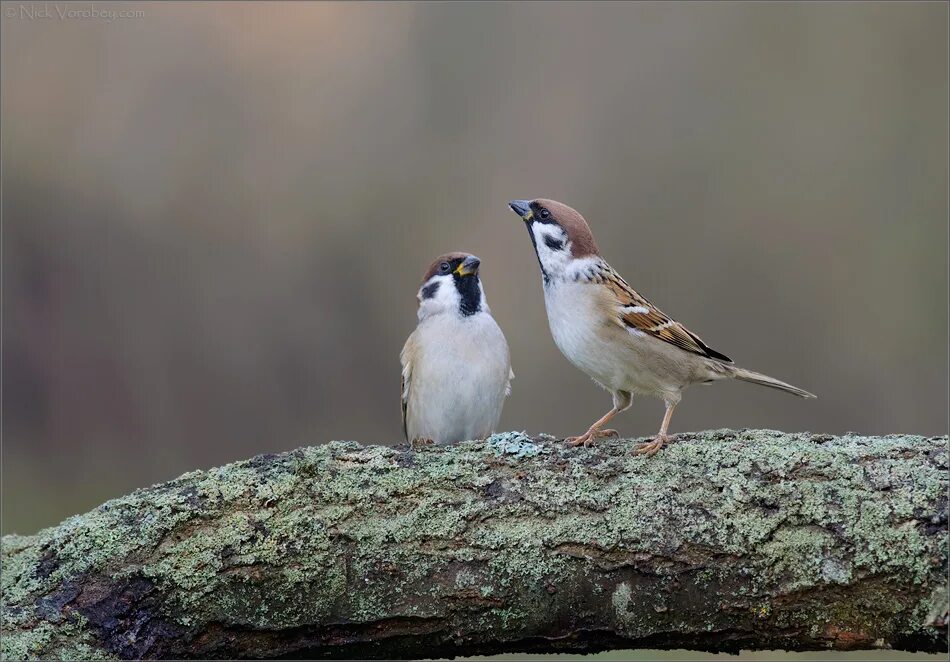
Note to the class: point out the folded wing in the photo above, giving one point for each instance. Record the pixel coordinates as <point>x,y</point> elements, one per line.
<point>640,316</point>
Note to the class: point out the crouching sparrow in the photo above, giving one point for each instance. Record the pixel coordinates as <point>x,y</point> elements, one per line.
<point>456,370</point>
<point>605,328</point>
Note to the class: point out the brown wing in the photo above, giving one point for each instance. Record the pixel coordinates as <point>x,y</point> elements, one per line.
<point>405,406</point>
<point>405,358</point>
<point>639,314</point>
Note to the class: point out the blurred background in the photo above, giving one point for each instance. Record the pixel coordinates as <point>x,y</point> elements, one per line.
<point>216,216</point>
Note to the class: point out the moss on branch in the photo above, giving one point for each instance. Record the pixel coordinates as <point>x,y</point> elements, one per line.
<point>724,540</point>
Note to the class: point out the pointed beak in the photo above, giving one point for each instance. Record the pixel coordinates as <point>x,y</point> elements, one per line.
<point>522,208</point>
<point>468,266</point>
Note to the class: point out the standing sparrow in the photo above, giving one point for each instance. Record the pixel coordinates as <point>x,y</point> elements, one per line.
<point>456,370</point>
<point>605,328</point>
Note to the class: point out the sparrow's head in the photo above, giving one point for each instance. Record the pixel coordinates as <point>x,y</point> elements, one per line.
<point>560,235</point>
<point>451,285</point>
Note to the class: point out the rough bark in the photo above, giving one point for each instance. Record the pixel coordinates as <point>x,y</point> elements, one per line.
<point>725,540</point>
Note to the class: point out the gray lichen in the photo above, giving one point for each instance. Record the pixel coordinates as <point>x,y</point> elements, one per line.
<point>506,540</point>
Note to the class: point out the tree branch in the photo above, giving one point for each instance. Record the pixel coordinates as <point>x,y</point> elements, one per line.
<point>724,540</point>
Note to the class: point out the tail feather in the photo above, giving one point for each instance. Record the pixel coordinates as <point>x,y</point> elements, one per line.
<point>771,382</point>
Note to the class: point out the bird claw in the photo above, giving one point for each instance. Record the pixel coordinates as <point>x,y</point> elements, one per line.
<point>651,448</point>
<point>587,439</point>
<point>420,443</point>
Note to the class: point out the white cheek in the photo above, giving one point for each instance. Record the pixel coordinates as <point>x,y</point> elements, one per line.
<point>554,261</point>
<point>445,298</point>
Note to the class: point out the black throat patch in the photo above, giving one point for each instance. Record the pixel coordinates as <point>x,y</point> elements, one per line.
<point>471,296</point>
<point>534,244</point>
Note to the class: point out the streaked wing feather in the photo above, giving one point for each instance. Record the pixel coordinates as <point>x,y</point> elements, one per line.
<point>405,358</point>
<point>405,406</point>
<point>639,314</point>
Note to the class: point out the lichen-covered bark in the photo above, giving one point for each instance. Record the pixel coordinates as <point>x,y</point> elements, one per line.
<point>724,540</point>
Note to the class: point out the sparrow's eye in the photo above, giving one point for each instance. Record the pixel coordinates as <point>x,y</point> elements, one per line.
<point>444,267</point>
<point>544,213</point>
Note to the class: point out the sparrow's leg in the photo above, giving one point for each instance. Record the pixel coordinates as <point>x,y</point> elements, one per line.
<point>622,401</point>
<point>651,448</point>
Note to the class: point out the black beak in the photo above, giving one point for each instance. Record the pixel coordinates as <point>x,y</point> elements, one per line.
<point>468,266</point>
<point>522,208</point>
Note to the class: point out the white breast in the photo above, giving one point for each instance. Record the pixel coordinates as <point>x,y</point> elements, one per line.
<point>572,317</point>
<point>610,354</point>
<point>460,377</point>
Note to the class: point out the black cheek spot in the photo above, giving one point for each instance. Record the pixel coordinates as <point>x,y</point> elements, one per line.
<point>429,290</point>
<point>553,244</point>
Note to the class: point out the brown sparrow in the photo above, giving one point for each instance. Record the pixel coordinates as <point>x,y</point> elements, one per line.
<point>605,328</point>
<point>456,370</point>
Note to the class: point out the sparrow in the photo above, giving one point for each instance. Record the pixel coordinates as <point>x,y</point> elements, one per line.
<point>608,330</point>
<point>456,369</point>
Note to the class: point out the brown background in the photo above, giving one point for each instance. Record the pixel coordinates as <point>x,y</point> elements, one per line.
<point>215,216</point>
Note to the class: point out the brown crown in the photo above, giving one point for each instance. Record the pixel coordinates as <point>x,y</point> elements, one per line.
<point>570,220</point>
<point>448,257</point>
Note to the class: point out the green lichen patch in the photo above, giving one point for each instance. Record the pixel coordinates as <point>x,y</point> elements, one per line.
<point>503,540</point>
